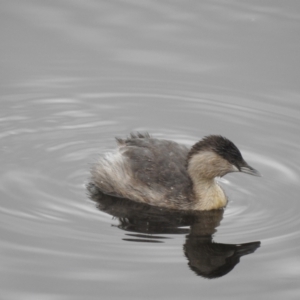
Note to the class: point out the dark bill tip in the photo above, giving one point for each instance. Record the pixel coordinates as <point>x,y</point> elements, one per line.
<point>249,170</point>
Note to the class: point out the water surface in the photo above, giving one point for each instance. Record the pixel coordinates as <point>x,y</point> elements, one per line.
<point>76,74</point>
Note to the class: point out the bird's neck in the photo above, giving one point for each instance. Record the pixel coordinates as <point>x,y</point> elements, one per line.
<point>208,194</point>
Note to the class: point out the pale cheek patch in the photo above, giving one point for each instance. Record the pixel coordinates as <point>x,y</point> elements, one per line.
<point>234,168</point>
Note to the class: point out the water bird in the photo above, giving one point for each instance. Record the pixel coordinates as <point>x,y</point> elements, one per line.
<point>167,174</point>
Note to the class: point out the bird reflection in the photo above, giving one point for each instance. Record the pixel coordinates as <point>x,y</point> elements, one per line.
<point>145,223</point>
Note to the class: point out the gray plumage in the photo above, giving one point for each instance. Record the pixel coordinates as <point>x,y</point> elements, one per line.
<point>165,173</point>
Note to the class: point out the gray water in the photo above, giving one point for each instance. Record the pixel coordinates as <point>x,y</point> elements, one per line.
<point>75,74</point>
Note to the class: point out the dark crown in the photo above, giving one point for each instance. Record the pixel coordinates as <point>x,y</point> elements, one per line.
<point>220,145</point>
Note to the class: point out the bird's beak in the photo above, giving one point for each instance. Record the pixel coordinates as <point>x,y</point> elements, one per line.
<point>249,170</point>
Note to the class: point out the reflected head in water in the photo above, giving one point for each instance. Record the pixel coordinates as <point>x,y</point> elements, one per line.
<point>164,173</point>
<point>213,260</point>
<point>146,223</point>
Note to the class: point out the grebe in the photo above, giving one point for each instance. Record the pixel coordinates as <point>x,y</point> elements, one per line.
<point>167,174</point>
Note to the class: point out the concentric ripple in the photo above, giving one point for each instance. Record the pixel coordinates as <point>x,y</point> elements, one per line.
<point>49,143</point>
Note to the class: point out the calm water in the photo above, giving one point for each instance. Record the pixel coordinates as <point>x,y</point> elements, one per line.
<point>75,74</point>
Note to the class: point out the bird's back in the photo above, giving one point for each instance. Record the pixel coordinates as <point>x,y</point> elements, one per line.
<point>148,170</point>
